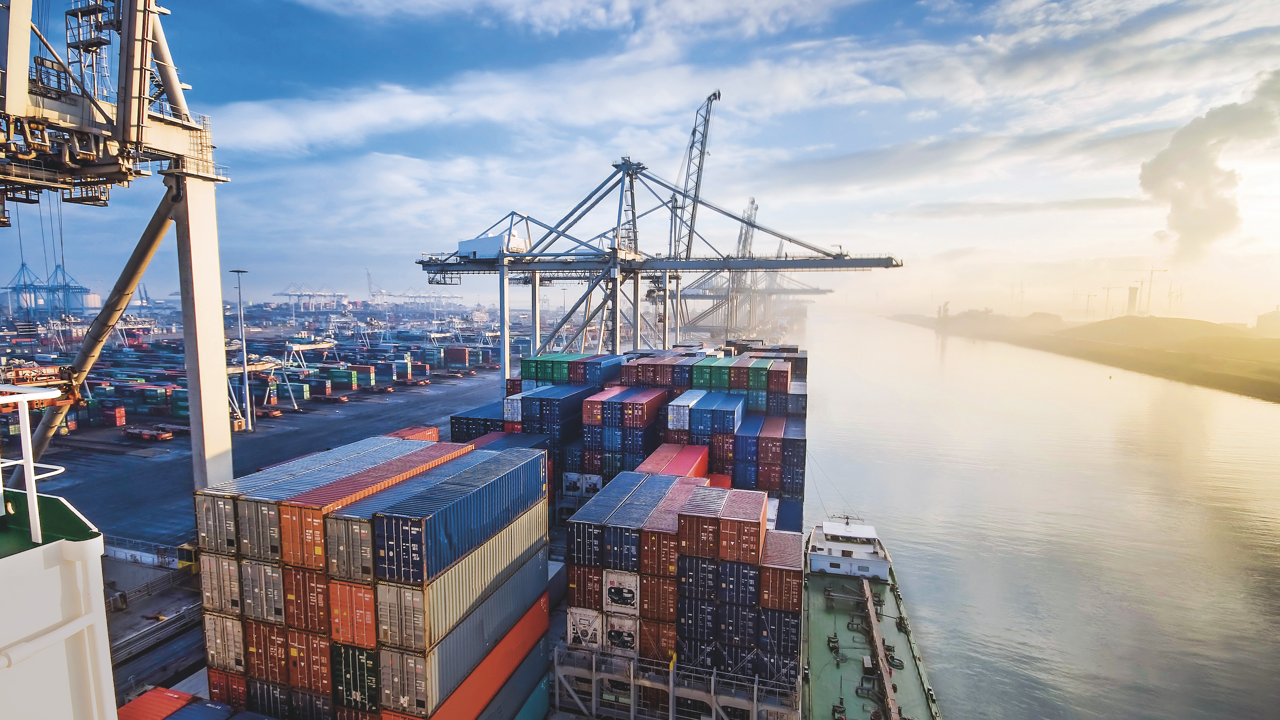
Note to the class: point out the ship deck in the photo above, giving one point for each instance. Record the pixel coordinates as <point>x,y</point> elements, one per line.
<point>836,608</point>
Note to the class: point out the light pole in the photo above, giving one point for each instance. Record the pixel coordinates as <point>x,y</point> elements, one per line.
<point>244,354</point>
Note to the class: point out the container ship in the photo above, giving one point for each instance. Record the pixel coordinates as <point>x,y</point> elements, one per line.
<point>619,536</point>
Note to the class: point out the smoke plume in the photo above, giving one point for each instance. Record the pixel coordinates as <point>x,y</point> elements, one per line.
<point>1186,175</point>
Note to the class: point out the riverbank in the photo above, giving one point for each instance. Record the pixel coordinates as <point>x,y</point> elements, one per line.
<point>1252,378</point>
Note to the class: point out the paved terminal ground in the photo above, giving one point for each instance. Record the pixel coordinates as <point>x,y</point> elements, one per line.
<point>143,491</point>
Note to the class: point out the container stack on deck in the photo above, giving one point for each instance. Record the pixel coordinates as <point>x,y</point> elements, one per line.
<point>393,577</point>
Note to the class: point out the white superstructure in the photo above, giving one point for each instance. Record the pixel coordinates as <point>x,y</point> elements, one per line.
<point>842,548</point>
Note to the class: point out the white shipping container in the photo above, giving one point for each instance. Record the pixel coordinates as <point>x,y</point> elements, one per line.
<point>220,584</point>
<point>591,484</point>
<point>584,628</point>
<point>622,634</point>
<point>262,586</point>
<point>621,592</point>
<point>678,409</point>
<point>224,643</point>
<point>511,407</point>
<point>572,484</point>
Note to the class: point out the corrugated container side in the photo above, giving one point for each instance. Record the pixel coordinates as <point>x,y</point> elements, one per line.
<point>402,617</point>
<point>309,661</point>
<point>659,458</point>
<point>699,530</point>
<point>691,462</point>
<point>522,684</point>
<point>742,526</point>
<point>220,584</point>
<point>658,597</point>
<point>266,652</point>
<point>779,633</point>
<point>224,643</point>
<point>215,523</point>
<point>700,654</point>
<point>489,678</point>
<point>737,625</point>
<point>416,684</point>
<point>155,704</point>
<point>739,583</point>
<point>585,628</point>
<point>355,677</point>
<point>586,586</point>
<point>622,528</point>
<point>353,609</point>
<point>622,634</point>
<point>769,443</point>
<point>696,619</point>
<point>262,590</point>
<point>621,592</point>
<point>227,688</point>
<point>267,699</point>
<point>585,534</point>
<point>698,577</point>
<point>658,640</point>
<point>310,706</point>
<point>306,600</point>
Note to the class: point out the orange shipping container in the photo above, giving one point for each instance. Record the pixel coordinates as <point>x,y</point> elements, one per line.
<point>306,600</point>
<point>483,684</point>
<point>154,705</point>
<point>417,433</point>
<point>782,571</point>
<point>227,688</point>
<point>657,640</point>
<point>742,526</point>
<point>309,661</point>
<point>658,597</point>
<point>266,652</point>
<point>352,609</point>
<point>586,586</point>
<point>302,516</point>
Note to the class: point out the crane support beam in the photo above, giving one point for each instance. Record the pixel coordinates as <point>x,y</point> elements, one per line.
<point>517,263</point>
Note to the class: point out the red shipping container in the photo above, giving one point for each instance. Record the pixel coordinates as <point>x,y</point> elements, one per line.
<point>663,372</point>
<point>676,437</point>
<point>742,526</point>
<point>306,600</point>
<point>699,522</point>
<point>782,571</point>
<point>482,685</point>
<point>629,373</point>
<point>425,434</point>
<point>658,597</point>
<point>691,462</point>
<point>345,713</point>
<point>779,377</point>
<point>352,608</point>
<point>659,545</point>
<point>266,652</point>
<point>722,447</point>
<point>724,482</point>
<point>513,427</point>
<point>641,410</point>
<point>486,439</point>
<point>645,372</point>
<point>591,461</point>
<point>514,386</point>
<point>769,477</point>
<point>586,586</point>
<point>769,442</point>
<point>739,373</point>
<point>593,407</point>
<point>309,661</point>
<point>156,704</point>
<point>656,463</point>
<point>658,640</point>
<point>227,688</point>
<point>302,516</point>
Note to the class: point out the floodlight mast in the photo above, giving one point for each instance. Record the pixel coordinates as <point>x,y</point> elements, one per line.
<point>66,128</point>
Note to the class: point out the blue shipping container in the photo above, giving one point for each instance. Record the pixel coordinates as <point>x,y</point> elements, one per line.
<point>779,633</point>
<point>700,654</point>
<point>790,516</point>
<point>745,475</point>
<point>696,619</point>
<point>736,625</point>
<point>746,442</point>
<point>701,413</point>
<point>585,539</point>
<point>622,529</point>
<point>739,583</point>
<point>612,439</point>
<point>203,710</point>
<point>593,437</point>
<point>728,414</point>
<point>697,577</point>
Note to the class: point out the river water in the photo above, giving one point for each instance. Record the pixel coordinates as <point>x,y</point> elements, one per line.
<point>1073,540</point>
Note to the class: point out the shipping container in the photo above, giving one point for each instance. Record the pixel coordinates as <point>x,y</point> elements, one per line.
<point>227,688</point>
<point>779,633</point>
<point>202,710</point>
<point>728,414</point>
<point>310,706</point>
<point>658,460</point>
<point>224,643</point>
<point>262,588</point>
<point>586,586</point>
<point>737,625</point>
<point>220,584</point>
<point>417,683</point>
<point>746,440</point>
<point>419,538</point>
<point>353,609</point>
<point>778,668</point>
<point>621,592</point>
<point>522,686</point>
<point>770,440</point>
<point>461,588</point>
<point>691,462</point>
<point>309,661</point>
<point>155,704</point>
<point>257,511</point>
<point>355,677</point>
<point>658,640</point>
<point>735,660</point>
<point>641,409</point>
<point>345,713</point>
<point>782,571</point>
<point>658,597</point>
<point>700,654</point>
<point>593,406</point>
<point>699,522</point>
<point>659,545</point>
<point>621,634</point>
<point>790,515</point>
<point>508,657</point>
<point>738,583</point>
<point>349,530</point>
<point>585,628</point>
<point>696,619</point>
<point>268,699</point>
<point>697,577</point>
<point>621,549</point>
<point>585,539</point>
<point>417,433</point>
<point>266,652</point>
<point>769,477</point>
<point>779,377</point>
<point>302,516</point>
<point>306,600</point>
<point>742,526</point>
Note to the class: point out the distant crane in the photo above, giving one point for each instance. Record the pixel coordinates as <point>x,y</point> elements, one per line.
<point>1109,289</point>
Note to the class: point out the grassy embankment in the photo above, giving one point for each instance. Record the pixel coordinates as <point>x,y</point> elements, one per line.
<point>1190,351</point>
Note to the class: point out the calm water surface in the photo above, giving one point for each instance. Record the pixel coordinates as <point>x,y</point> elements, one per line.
<point>1073,540</point>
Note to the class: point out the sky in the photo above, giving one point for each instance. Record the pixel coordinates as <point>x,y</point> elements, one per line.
<point>1018,155</point>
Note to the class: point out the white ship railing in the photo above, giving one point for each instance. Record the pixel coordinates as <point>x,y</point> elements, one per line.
<point>23,396</point>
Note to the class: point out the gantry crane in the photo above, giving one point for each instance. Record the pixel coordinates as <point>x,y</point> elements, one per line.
<point>72,127</point>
